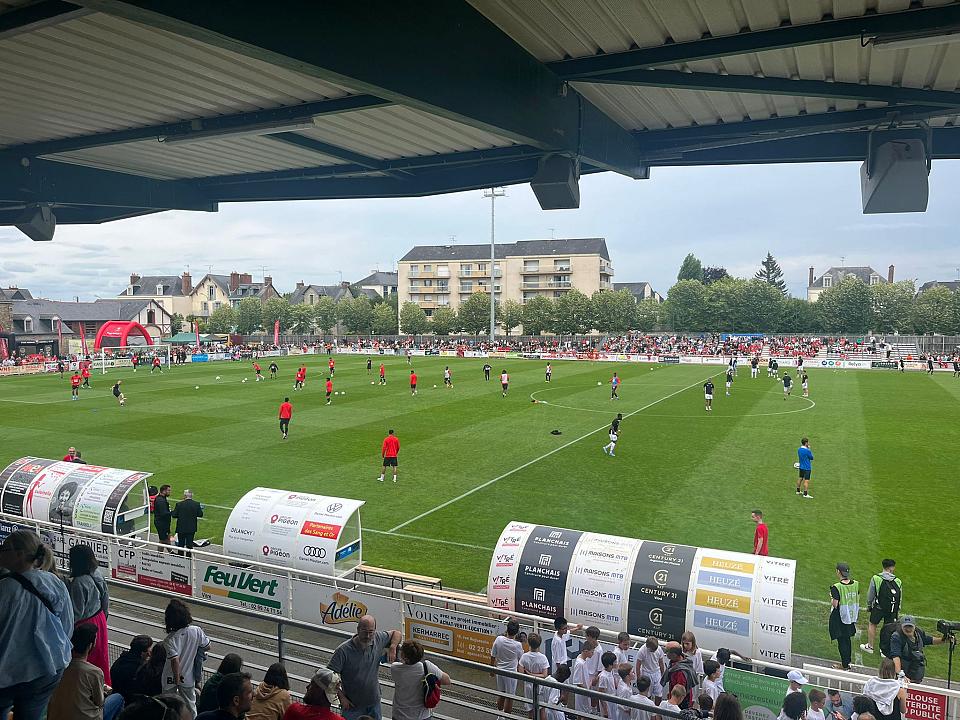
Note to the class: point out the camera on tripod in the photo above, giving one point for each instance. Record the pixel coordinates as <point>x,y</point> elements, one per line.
<point>948,628</point>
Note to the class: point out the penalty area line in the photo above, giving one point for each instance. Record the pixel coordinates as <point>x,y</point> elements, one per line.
<point>527,464</point>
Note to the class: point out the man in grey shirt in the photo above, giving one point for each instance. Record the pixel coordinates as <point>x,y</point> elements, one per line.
<point>357,661</point>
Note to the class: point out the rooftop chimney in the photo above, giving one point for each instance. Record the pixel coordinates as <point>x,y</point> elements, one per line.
<point>134,278</point>
<point>890,274</point>
<point>267,280</point>
<point>810,277</point>
<point>300,285</point>
<point>234,281</point>
<point>187,284</point>
<point>246,278</point>
<point>344,284</point>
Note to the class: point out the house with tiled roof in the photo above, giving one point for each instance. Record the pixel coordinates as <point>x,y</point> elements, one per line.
<point>172,292</point>
<point>382,283</point>
<point>833,276</point>
<point>639,290</point>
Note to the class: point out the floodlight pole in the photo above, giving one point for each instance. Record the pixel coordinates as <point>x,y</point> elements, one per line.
<point>493,193</point>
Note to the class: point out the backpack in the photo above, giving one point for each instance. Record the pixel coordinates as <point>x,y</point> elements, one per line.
<point>431,688</point>
<point>888,596</point>
<point>886,633</point>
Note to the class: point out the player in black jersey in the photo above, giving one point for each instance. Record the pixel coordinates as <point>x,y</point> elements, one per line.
<point>729,379</point>
<point>708,395</point>
<point>614,436</point>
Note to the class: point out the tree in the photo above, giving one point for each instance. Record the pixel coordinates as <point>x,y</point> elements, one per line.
<point>384,319</point>
<point>572,313</point>
<point>686,303</point>
<point>444,321</point>
<point>249,315</point>
<point>474,314</point>
<point>222,320</point>
<point>845,307</point>
<point>647,315</point>
<point>892,306</point>
<point>723,305</point>
<point>771,274</point>
<point>413,320</point>
<point>356,314</point>
<point>511,315</point>
<point>799,316</point>
<point>537,315</point>
<point>276,309</point>
<point>192,319</point>
<point>761,306</point>
<point>301,319</point>
<point>613,312</point>
<point>325,314</point>
<point>932,311</point>
<point>690,269</point>
<point>176,323</point>
<point>714,274</point>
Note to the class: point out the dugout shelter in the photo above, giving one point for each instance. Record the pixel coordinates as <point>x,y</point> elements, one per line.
<point>118,108</point>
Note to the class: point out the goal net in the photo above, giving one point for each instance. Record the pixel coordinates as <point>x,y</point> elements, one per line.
<point>123,356</point>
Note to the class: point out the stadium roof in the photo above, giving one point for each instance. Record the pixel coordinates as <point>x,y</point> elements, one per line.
<point>119,108</point>
<point>532,248</point>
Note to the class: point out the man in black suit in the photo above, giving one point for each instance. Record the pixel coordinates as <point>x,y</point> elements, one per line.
<point>162,514</point>
<point>186,512</point>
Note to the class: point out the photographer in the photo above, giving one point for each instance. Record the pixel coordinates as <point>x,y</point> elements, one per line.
<point>906,648</point>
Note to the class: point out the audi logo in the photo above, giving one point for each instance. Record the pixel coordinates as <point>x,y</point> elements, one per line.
<point>314,552</point>
<point>334,507</point>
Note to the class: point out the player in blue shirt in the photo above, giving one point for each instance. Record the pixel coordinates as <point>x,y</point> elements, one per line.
<point>805,456</point>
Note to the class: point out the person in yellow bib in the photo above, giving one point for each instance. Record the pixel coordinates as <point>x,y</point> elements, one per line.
<point>845,599</point>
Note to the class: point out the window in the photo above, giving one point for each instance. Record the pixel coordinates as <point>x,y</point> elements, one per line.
<point>151,317</point>
<point>529,266</point>
<point>827,281</point>
<point>428,283</point>
<point>428,268</point>
<point>211,292</point>
<point>414,270</point>
<point>561,265</point>
<point>159,288</point>
<point>466,268</point>
<point>428,298</point>
<point>28,324</point>
<point>428,312</point>
<point>216,305</point>
<point>443,270</point>
<point>311,298</point>
<point>874,279</point>
<point>206,308</point>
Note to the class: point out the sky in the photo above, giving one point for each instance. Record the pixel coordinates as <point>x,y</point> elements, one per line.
<point>728,216</point>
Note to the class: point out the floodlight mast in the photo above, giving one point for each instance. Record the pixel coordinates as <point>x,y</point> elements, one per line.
<point>493,193</point>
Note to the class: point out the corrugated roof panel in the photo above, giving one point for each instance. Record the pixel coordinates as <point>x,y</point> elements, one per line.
<point>110,74</point>
<point>388,133</point>
<point>226,156</point>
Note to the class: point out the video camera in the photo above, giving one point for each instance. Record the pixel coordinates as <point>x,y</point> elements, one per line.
<point>948,628</point>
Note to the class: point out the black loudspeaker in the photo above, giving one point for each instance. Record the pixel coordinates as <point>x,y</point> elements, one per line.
<point>38,222</point>
<point>556,183</point>
<point>893,178</point>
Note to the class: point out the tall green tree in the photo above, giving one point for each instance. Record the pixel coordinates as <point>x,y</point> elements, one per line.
<point>572,313</point>
<point>444,321</point>
<point>714,274</point>
<point>723,305</point>
<point>413,320</point>
<point>537,315</point>
<point>176,323</point>
<point>474,314</point>
<point>301,319</point>
<point>771,274</point>
<point>221,320</point>
<point>892,306</point>
<point>511,315</point>
<point>356,314</point>
<point>613,312</point>
<point>249,314</point>
<point>276,309</point>
<point>647,315</point>
<point>690,269</point>
<point>845,307</point>
<point>761,306</point>
<point>798,316</point>
<point>383,319</point>
<point>933,311</point>
<point>325,314</point>
<point>687,303</point>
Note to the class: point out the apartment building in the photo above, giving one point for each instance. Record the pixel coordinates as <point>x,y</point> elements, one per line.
<point>435,276</point>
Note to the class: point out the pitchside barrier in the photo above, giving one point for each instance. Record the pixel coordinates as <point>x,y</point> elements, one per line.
<point>459,631</point>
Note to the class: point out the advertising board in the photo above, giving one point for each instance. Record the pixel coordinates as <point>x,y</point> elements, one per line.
<point>161,570</point>
<point>646,587</point>
<point>452,633</point>
<point>243,588</point>
<point>761,696</point>
<point>341,607</point>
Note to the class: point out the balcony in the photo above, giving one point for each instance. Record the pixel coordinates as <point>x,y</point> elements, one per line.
<point>479,274</point>
<point>606,269</point>
<point>561,268</point>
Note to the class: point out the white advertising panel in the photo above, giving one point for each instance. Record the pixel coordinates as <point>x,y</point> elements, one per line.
<point>295,530</point>
<point>160,569</point>
<point>243,588</point>
<point>596,579</point>
<point>504,564</point>
<point>340,607</point>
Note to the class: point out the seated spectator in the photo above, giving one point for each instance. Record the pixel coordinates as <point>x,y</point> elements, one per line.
<point>407,674</point>
<point>148,680</point>
<point>839,705</point>
<point>727,707</point>
<point>125,667</point>
<point>794,706</point>
<point>36,624</point>
<point>91,601</point>
<point>272,697</point>
<point>80,694</point>
<point>861,706</point>
<point>231,663</point>
<point>234,695</point>
<point>318,698</point>
<point>159,707</point>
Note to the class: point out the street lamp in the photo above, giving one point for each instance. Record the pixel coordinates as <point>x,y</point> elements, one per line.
<point>493,193</point>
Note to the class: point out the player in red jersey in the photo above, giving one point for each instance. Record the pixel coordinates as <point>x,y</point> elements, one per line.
<point>75,386</point>
<point>135,360</point>
<point>286,412</point>
<point>330,365</point>
<point>156,365</point>
<point>85,372</point>
<point>329,389</point>
<point>413,383</point>
<point>383,374</point>
<point>257,370</point>
<point>301,376</point>
<point>389,451</point>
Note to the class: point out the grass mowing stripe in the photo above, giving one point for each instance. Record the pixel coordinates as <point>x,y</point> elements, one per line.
<point>536,460</point>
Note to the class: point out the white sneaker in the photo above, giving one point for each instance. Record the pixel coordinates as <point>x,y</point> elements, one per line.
<point>866,647</point>
<point>380,479</point>
<point>394,478</point>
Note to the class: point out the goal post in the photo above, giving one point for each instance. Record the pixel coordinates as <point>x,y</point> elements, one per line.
<point>107,358</point>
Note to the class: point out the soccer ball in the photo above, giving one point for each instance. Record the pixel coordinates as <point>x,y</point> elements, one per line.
<point>196,387</point>
<point>599,383</point>
<point>218,377</point>
<point>244,380</point>
<point>336,393</point>
<point>434,386</point>
<point>372,382</point>
<point>796,466</point>
<point>343,392</point>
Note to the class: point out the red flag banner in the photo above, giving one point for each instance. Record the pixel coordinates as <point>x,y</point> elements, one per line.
<point>196,327</point>
<point>60,337</point>
<point>276,332</point>
<point>83,339</point>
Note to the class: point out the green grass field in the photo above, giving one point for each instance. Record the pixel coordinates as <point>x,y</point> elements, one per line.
<point>884,481</point>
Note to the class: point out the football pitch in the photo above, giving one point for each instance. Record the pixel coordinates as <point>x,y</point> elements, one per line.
<point>884,475</point>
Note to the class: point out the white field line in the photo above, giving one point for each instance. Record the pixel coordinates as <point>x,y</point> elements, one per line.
<point>527,464</point>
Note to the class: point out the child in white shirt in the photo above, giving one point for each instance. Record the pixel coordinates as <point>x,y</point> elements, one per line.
<point>622,650</point>
<point>505,654</point>
<point>650,665</point>
<point>535,663</point>
<point>608,680</point>
<point>581,676</point>
<point>817,700</point>
<point>711,669</point>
